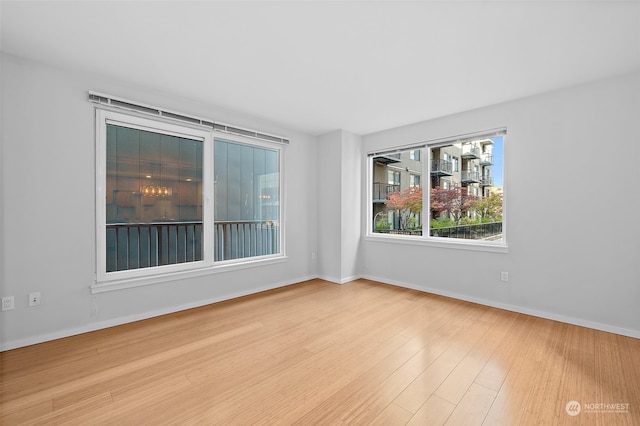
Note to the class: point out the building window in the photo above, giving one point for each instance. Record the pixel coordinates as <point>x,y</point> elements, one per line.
<point>463,199</point>
<point>173,197</point>
<point>393,177</point>
<point>414,154</point>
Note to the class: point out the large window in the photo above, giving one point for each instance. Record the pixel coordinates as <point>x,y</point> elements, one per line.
<point>174,197</point>
<point>456,193</point>
<point>153,200</point>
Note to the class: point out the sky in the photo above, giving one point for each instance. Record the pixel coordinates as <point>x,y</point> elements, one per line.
<point>498,158</point>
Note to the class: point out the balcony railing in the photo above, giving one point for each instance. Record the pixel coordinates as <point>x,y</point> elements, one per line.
<point>486,181</point>
<point>135,246</point>
<point>246,238</point>
<point>470,151</point>
<point>470,176</point>
<point>486,159</point>
<point>381,191</point>
<point>440,167</point>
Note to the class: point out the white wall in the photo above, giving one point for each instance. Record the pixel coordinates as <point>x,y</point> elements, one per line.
<point>329,205</point>
<point>339,218</point>
<point>48,215</point>
<point>351,187</point>
<point>571,178</point>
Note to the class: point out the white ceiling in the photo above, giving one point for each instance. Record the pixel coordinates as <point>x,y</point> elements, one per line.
<point>320,66</point>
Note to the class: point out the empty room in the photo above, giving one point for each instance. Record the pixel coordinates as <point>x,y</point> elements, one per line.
<point>319,212</point>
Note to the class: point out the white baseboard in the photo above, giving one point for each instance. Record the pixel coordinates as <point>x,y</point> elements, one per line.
<point>31,340</point>
<point>514,308</point>
<point>99,325</point>
<point>338,280</point>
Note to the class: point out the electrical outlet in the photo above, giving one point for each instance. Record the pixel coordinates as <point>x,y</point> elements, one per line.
<point>34,299</point>
<point>504,276</point>
<point>7,303</point>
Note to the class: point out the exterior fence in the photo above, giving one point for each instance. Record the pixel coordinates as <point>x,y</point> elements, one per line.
<point>134,246</point>
<point>481,231</point>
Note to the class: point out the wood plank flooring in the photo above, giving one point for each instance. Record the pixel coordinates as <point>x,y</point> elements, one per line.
<point>321,353</point>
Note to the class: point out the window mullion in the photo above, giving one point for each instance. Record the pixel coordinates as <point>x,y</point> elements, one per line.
<point>426,208</point>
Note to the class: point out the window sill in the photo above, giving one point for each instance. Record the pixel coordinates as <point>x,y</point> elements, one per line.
<point>106,286</point>
<point>457,244</point>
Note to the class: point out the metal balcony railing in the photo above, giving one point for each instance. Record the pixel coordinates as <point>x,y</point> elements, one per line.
<point>136,245</point>
<point>486,159</point>
<point>382,190</point>
<point>470,151</point>
<point>470,176</point>
<point>440,167</point>
<point>486,181</point>
<point>246,238</point>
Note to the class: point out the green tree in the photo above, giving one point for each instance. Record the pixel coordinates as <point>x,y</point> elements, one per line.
<point>407,202</point>
<point>489,208</point>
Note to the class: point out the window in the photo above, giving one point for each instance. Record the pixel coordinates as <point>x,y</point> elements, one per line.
<point>247,200</point>
<point>463,197</point>
<point>455,164</point>
<point>394,177</point>
<point>174,197</point>
<point>414,154</point>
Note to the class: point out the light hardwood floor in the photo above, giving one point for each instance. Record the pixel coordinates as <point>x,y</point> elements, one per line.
<point>322,353</point>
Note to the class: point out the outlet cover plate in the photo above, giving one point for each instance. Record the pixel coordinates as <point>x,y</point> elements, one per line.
<point>8,303</point>
<point>34,299</point>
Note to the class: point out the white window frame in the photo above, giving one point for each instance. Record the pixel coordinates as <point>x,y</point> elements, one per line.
<point>106,117</point>
<point>282,229</point>
<point>116,280</point>
<point>426,239</point>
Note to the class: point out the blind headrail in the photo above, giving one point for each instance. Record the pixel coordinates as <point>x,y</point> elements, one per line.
<point>121,103</point>
<point>466,137</point>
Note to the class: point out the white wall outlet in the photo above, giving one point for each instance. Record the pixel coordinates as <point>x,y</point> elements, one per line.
<point>34,299</point>
<point>504,276</point>
<point>7,303</point>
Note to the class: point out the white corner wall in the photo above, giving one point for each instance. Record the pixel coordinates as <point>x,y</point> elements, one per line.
<point>339,218</point>
<point>351,189</point>
<point>571,169</point>
<point>48,209</point>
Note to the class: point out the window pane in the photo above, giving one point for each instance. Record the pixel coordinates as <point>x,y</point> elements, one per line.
<point>153,199</point>
<point>397,196</point>
<point>247,200</point>
<point>466,190</point>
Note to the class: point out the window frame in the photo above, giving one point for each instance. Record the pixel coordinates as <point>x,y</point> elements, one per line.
<point>267,145</point>
<point>116,280</point>
<point>426,239</point>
